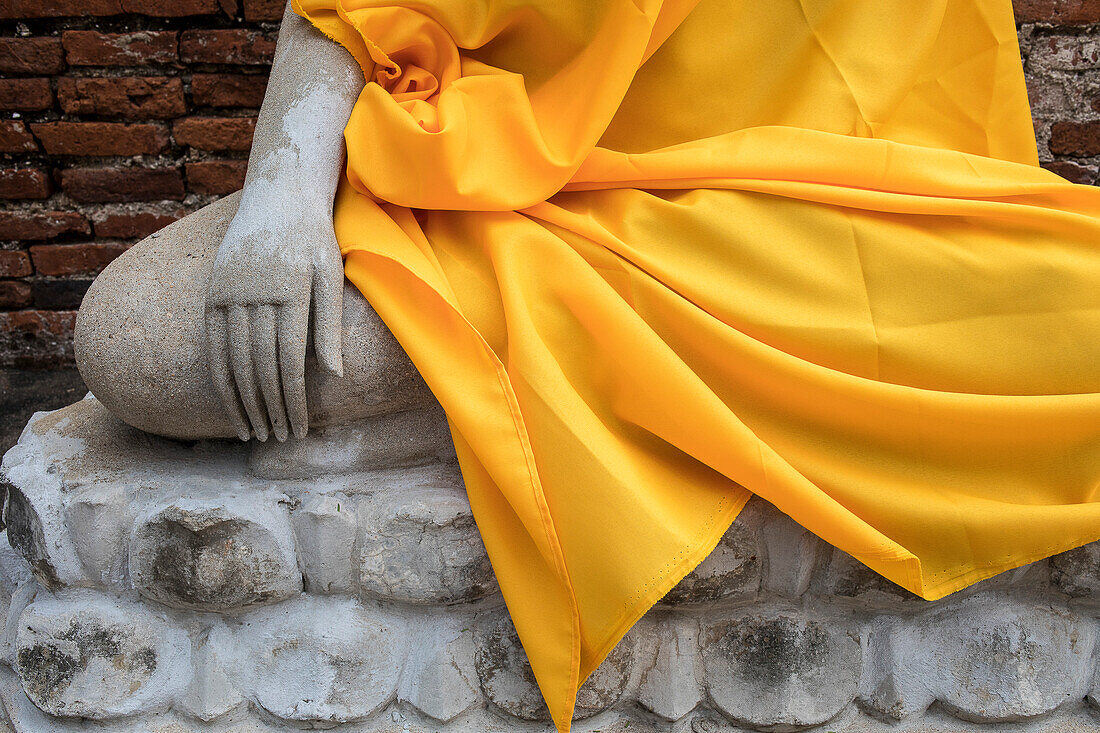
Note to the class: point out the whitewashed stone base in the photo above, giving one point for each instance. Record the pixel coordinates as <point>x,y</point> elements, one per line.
<point>166,587</point>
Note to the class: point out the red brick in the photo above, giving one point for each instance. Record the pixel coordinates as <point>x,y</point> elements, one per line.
<point>1057,12</point>
<point>216,177</point>
<point>31,55</point>
<point>24,183</point>
<point>227,46</point>
<point>263,9</point>
<point>57,294</point>
<point>228,90</point>
<point>132,97</point>
<point>133,225</point>
<point>14,294</point>
<point>14,138</point>
<point>1073,172</point>
<point>14,264</point>
<point>171,8</point>
<point>57,8</point>
<point>215,133</point>
<point>36,338</point>
<point>95,185</point>
<point>91,48</point>
<point>25,95</point>
<point>101,138</point>
<point>74,259</point>
<point>1075,138</point>
<point>41,225</point>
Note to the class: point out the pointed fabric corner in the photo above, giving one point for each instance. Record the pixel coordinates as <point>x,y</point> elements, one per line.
<point>653,258</point>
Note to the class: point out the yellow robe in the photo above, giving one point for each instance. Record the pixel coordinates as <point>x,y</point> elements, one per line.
<point>654,256</point>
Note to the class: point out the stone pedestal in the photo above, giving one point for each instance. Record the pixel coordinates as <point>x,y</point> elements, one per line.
<point>160,586</point>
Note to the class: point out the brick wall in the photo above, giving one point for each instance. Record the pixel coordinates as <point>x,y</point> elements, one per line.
<point>119,116</point>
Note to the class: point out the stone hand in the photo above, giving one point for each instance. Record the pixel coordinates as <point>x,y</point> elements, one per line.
<point>275,267</point>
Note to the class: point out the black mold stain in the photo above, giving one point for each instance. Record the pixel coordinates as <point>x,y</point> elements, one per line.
<point>25,536</point>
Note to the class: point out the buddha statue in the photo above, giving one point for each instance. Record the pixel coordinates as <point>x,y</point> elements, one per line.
<point>162,576</point>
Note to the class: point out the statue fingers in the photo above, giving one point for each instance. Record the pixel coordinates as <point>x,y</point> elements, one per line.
<point>240,357</point>
<point>293,326</point>
<point>265,356</point>
<point>217,339</point>
<point>328,296</point>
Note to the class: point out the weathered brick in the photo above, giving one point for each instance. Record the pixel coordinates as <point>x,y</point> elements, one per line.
<point>24,183</point>
<point>74,259</point>
<point>1067,53</point>
<point>91,48</point>
<point>56,295</point>
<point>14,294</point>
<point>1075,138</point>
<point>132,225</point>
<point>228,90</point>
<point>96,185</point>
<point>31,56</point>
<point>171,8</point>
<point>14,264</point>
<point>25,95</point>
<point>1057,12</point>
<point>132,97</point>
<point>101,138</point>
<point>31,338</point>
<point>263,9</point>
<point>216,177</point>
<point>14,137</point>
<point>41,225</point>
<point>227,46</point>
<point>1073,172</point>
<point>57,8</point>
<point>215,133</point>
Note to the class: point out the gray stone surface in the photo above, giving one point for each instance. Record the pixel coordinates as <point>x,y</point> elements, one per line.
<point>421,545</point>
<point>781,670</point>
<point>89,656</point>
<point>362,600</point>
<point>215,553</point>
<point>321,659</point>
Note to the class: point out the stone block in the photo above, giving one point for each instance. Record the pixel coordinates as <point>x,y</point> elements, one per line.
<point>792,554</point>
<point>211,694</point>
<point>323,660</point>
<point>1077,572</point>
<point>87,655</point>
<point>672,685</point>
<point>36,526</point>
<point>439,678</point>
<point>419,544</point>
<point>215,553</point>
<point>507,680</point>
<point>326,527</point>
<point>781,670</point>
<point>101,516</point>
<point>988,659</point>
<point>1000,660</point>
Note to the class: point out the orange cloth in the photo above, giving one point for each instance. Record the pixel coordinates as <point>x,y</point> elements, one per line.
<point>653,256</point>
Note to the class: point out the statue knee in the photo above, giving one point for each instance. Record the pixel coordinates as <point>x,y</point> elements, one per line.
<point>139,332</point>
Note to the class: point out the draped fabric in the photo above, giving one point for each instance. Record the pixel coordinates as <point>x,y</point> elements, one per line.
<point>654,256</point>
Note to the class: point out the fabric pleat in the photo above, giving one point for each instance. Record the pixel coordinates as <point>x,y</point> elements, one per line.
<point>655,257</point>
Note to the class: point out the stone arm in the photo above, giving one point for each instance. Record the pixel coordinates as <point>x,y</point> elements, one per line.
<point>279,263</point>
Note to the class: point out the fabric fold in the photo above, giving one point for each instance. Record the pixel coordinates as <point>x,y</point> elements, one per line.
<point>654,258</point>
